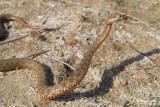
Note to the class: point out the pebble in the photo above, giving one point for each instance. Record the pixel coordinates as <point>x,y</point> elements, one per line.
<point>60,54</point>
<point>71,41</point>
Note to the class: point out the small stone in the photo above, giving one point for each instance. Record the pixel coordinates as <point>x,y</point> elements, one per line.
<point>58,48</point>
<point>60,54</point>
<point>71,41</point>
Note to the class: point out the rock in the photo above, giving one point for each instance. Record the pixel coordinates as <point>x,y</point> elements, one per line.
<point>71,41</point>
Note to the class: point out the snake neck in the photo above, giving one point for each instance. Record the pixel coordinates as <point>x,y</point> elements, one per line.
<point>85,62</point>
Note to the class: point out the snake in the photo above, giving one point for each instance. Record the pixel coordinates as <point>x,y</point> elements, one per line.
<point>50,92</point>
<point>9,17</point>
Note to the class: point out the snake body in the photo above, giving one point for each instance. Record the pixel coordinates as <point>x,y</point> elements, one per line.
<point>50,92</point>
<point>9,17</point>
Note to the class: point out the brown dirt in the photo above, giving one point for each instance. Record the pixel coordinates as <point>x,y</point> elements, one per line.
<point>118,75</point>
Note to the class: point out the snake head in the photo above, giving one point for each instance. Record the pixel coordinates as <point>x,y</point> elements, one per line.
<point>110,21</point>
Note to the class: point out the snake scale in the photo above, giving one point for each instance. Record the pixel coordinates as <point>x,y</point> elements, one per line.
<point>50,92</point>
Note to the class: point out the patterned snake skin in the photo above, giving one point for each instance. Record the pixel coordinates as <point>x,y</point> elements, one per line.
<point>50,92</point>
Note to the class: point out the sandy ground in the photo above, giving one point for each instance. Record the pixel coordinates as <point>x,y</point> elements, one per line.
<point>118,75</point>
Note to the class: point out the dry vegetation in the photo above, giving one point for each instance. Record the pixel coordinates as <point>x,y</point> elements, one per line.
<point>119,74</point>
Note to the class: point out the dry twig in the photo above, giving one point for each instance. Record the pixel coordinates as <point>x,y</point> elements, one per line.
<point>37,54</point>
<point>60,61</point>
<point>12,40</point>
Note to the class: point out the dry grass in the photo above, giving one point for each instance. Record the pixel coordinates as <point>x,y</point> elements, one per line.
<point>118,75</point>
